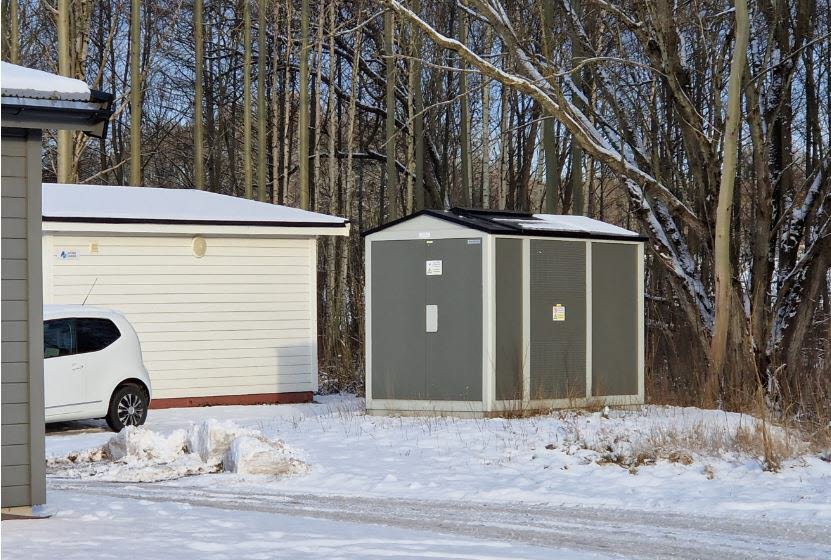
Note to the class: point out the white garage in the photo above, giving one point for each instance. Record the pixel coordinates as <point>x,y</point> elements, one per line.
<point>221,290</point>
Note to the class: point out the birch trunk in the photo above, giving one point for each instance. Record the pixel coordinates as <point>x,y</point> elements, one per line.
<point>275,108</point>
<point>65,137</point>
<point>246,100</point>
<point>351,117</point>
<point>577,187</point>
<point>486,130</point>
<point>392,172</point>
<point>504,148</point>
<point>262,117</point>
<point>135,93</point>
<point>288,90</point>
<point>316,106</point>
<point>332,128</point>
<point>303,108</point>
<point>198,131</point>
<point>418,120</point>
<point>722,260</point>
<point>464,132</point>
<point>11,37</point>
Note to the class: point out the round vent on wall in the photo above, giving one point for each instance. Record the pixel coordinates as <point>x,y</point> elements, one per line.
<point>200,246</point>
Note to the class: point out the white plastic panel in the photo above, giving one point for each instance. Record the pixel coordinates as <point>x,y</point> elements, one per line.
<point>432,318</point>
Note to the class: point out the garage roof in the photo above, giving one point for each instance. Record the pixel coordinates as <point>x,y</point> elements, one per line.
<point>148,205</point>
<point>506,222</point>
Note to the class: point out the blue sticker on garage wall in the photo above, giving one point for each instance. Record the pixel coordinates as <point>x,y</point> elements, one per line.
<point>67,254</point>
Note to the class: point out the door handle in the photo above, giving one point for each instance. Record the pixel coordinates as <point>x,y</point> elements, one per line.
<point>77,367</point>
<point>432,318</point>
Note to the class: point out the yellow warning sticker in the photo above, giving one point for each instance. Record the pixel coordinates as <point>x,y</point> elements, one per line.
<point>559,312</point>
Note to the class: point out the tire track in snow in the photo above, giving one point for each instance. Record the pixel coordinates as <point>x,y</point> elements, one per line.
<point>610,531</point>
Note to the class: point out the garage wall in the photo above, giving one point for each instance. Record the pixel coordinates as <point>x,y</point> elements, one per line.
<point>22,323</point>
<point>240,320</point>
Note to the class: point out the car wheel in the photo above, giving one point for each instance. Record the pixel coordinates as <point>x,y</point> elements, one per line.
<point>128,407</point>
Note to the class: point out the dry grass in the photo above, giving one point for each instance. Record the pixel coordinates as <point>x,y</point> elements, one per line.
<point>684,442</point>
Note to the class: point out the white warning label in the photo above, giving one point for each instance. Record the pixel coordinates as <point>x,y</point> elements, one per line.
<point>433,268</point>
<point>558,313</point>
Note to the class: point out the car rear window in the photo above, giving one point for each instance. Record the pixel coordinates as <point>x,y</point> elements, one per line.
<point>93,335</point>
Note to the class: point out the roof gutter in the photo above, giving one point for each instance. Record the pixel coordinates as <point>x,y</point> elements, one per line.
<point>91,116</point>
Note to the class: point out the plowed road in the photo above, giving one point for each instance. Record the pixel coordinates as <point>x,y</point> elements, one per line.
<point>604,531</point>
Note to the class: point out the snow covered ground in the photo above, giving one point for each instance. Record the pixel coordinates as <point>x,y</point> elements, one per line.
<point>443,487</point>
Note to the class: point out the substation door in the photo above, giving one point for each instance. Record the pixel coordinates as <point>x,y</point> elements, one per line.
<point>426,322</point>
<point>558,319</point>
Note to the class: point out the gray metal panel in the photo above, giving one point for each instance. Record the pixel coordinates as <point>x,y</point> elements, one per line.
<point>398,337</point>
<point>509,353</point>
<point>454,352</point>
<point>558,348</point>
<point>614,319</point>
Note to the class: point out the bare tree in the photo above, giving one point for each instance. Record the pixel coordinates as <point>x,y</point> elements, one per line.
<point>135,93</point>
<point>199,78</point>
<point>246,100</point>
<point>303,108</point>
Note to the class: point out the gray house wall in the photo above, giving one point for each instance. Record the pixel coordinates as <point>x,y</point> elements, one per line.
<point>22,321</point>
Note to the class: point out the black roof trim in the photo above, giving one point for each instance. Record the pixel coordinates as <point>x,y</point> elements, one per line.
<point>98,96</point>
<point>95,117</point>
<point>97,220</point>
<point>482,220</point>
<point>491,213</point>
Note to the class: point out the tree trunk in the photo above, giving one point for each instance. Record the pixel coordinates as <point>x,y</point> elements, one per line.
<point>577,188</point>
<point>303,109</point>
<point>486,131</point>
<point>262,116</point>
<point>722,261</point>
<point>464,125</point>
<point>418,109</point>
<point>318,114</point>
<point>11,35</point>
<point>549,140</point>
<point>198,131</point>
<point>392,170</point>
<point>275,108</point>
<point>288,91</point>
<point>248,172</point>
<point>65,137</point>
<point>135,93</point>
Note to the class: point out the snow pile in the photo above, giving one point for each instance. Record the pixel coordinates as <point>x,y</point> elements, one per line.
<point>138,444</point>
<point>138,454</point>
<point>259,455</point>
<point>212,438</point>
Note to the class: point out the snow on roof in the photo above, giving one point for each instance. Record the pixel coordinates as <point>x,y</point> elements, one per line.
<point>17,81</point>
<point>97,203</point>
<point>564,223</point>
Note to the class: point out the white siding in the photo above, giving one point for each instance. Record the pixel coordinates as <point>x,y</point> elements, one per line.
<point>22,373</point>
<point>240,320</point>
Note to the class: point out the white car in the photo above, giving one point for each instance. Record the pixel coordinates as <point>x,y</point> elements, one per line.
<point>92,367</point>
